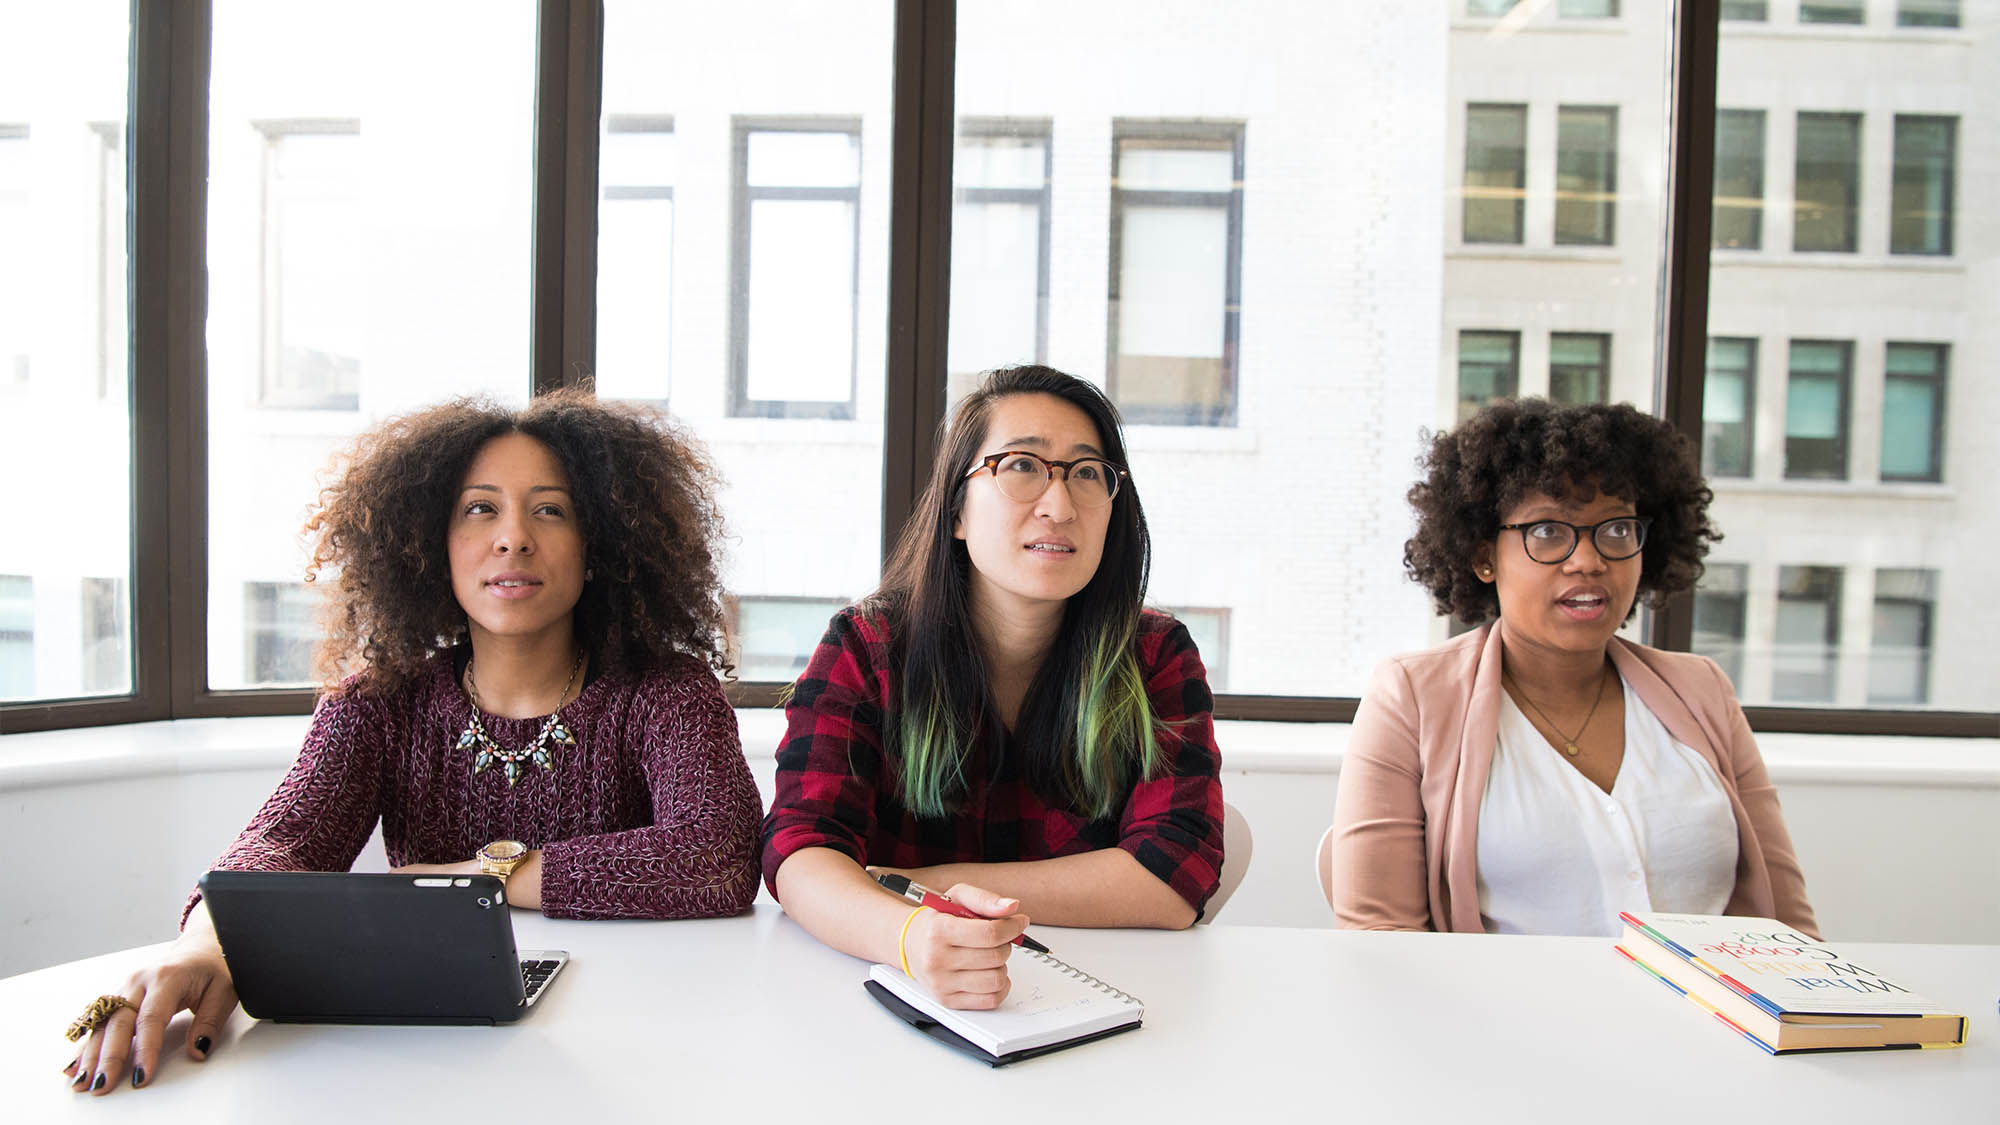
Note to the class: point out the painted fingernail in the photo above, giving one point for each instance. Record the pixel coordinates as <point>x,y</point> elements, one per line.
<point>82,1077</point>
<point>99,1084</point>
<point>201,1043</point>
<point>138,1077</point>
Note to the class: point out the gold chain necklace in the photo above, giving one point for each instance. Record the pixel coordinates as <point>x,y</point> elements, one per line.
<point>1569,741</point>
<point>539,749</point>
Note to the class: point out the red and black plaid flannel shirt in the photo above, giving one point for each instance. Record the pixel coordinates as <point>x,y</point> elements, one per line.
<point>835,789</point>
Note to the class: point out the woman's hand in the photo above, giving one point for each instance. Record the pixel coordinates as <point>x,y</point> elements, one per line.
<point>963,961</point>
<point>194,977</point>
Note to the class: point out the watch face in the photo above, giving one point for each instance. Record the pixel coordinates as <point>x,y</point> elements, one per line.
<point>500,851</point>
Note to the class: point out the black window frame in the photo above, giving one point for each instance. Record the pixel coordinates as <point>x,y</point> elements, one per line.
<point>166,159</point>
<point>1850,221</point>
<point>1938,382</point>
<point>1753,178</point>
<point>1519,201</point>
<point>1607,190</point>
<point>1749,378</point>
<point>1901,187</point>
<point>1512,376</point>
<point>1844,384</point>
<point>1601,370</point>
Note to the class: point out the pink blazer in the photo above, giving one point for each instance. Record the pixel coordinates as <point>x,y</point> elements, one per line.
<point>1406,821</point>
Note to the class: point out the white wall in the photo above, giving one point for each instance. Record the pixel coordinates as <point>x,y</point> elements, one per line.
<point>105,830</point>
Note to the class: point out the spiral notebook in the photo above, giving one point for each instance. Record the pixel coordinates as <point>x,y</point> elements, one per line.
<point>1052,1005</point>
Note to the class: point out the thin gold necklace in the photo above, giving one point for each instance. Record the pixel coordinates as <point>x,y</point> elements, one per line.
<point>1569,741</point>
<point>539,749</point>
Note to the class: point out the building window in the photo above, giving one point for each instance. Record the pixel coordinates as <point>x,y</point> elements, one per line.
<point>797,268</point>
<point>1489,9</point>
<point>1496,171</point>
<point>1588,9</point>
<point>999,249</point>
<point>1921,199</point>
<point>1728,396</point>
<point>280,630</point>
<point>1816,409</point>
<point>1913,412</point>
<point>1209,629</point>
<point>1756,11</point>
<point>1720,617</point>
<point>107,637</point>
<point>635,258</point>
<point>1586,174</point>
<point>1738,222</point>
<point>314,284</point>
<point>1841,11</point>
<point>1176,271</point>
<point>1807,638</point>
<point>1927,13</point>
<point>15,267</point>
<point>773,638</point>
<point>1828,182</point>
<point>1899,653</point>
<point>17,636</point>
<point>1579,367</point>
<point>1489,368</point>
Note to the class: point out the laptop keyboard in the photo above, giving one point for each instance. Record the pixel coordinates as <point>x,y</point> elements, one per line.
<point>535,974</point>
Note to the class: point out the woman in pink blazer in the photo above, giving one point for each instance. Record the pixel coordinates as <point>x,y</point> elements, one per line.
<point>1539,773</point>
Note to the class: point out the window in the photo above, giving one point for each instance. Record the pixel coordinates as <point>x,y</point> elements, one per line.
<point>1496,169</point>
<point>1816,409</point>
<point>1728,402</point>
<point>281,628</point>
<point>107,637</point>
<point>1579,367</point>
<point>17,637</point>
<point>1805,656</point>
<point>1489,368</point>
<point>1738,222</point>
<point>1488,9</point>
<point>797,279</point>
<point>1752,10</point>
<point>635,257</point>
<point>1921,199</point>
<point>16,272</point>
<point>1927,13</point>
<point>1586,174</point>
<point>1913,412</point>
<point>1209,629</point>
<point>1899,653</point>
<point>1843,11</point>
<point>1720,614</point>
<point>774,637</point>
<point>1588,9</point>
<point>1828,182</point>
<point>314,286</point>
<point>1176,271</point>
<point>999,249</point>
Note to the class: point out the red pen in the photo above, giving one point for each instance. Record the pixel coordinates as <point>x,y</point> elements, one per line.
<point>923,896</point>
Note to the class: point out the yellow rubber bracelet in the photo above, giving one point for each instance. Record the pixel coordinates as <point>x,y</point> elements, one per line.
<point>904,937</point>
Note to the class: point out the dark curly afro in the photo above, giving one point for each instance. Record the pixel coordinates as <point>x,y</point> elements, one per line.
<point>645,495</point>
<point>1519,446</point>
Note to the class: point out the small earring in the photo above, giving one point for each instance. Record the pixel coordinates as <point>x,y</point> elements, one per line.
<point>1485,572</point>
<point>589,574</point>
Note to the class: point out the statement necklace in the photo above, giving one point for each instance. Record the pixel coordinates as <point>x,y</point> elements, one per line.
<point>1569,741</point>
<point>539,750</point>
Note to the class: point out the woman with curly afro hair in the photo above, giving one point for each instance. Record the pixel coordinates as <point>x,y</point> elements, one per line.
<point>1540,774</point>
<point>527,614</point>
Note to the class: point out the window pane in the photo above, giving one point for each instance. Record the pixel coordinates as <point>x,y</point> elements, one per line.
<point>1840,11</point>
<point>1496,162</point>
<point>1745,10</point>
<point>1913,412</point>
<point>1000,259</point>
<point>65,413</point>
<point>1828,180</point>
<point>1816,409</point>
<point>1927,13</point>
<point>1579,366</point>
<point>1739,179</point>
<point>1587,9</point>
<point>1899,653</point>
<point>1727,419</point>
<point>1921,200</point>
<point>747,163</point>
<point>1806,650</point>
<point>1720,616</point>
<point>1489,7</point>
<point>368,253</point>
<point>1586,174</point>
<point>1489,368</point>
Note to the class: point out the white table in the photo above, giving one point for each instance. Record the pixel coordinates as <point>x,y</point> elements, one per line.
<point>750,1019</point>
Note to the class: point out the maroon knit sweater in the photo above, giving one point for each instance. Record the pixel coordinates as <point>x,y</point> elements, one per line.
<point>652,815</point>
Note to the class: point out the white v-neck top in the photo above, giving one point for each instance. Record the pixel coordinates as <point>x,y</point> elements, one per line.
<point>1558,855</point>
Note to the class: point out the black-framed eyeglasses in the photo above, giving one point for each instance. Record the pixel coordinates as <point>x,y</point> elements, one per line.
<point>1554,541</point>
<point>1023,476</point>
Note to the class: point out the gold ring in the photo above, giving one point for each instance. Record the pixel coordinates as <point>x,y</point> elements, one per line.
<point>95,1016</point>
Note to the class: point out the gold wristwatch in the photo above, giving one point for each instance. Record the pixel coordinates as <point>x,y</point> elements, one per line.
<point>501,857</point>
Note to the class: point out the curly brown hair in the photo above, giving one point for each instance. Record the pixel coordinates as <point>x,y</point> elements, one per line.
<point>1512,448</point>
<point>645,495</point>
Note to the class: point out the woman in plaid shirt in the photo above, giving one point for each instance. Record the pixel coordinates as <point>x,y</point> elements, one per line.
<point>1002,718</point>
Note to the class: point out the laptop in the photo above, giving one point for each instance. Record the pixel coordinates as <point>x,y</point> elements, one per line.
<point>340,947</point>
